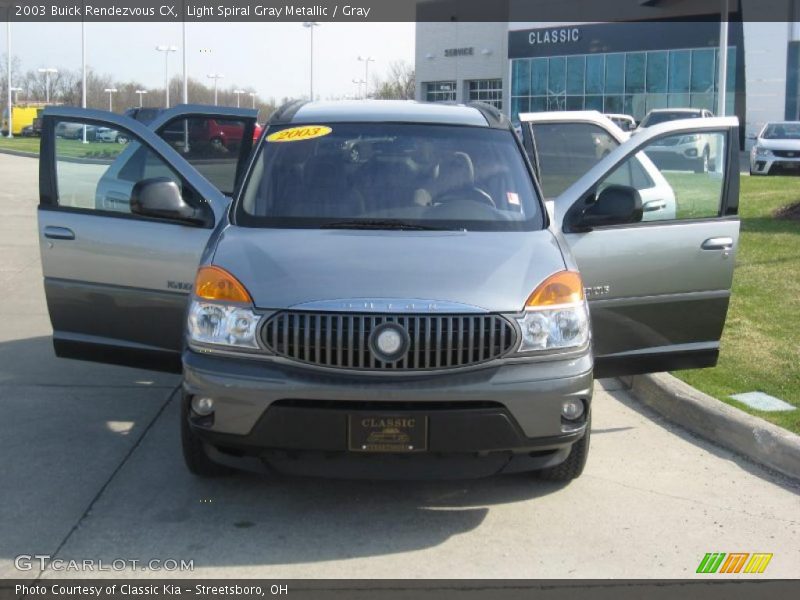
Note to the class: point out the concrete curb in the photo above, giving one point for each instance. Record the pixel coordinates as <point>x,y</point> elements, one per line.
<point>19,153</point>
<point>750,436</point>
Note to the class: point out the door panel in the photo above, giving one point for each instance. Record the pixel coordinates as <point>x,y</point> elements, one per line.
<point>658,291</point>
<point>117,283</point>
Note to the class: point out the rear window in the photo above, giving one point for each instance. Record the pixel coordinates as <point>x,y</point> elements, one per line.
<point>385,174</point>
<point>662,117</point>
<point>782,131</point>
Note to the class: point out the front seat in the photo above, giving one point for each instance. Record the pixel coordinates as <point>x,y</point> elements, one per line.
<point>456,181</point>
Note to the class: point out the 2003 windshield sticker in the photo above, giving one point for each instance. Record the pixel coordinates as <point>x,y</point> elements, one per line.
<point>297,134</point>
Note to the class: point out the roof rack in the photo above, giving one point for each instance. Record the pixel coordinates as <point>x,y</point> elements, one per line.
<point>284,113</point>
<point>493,116</point>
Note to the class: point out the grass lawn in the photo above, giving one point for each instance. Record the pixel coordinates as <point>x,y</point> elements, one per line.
<point>65,148</point>
<point>761,343</point>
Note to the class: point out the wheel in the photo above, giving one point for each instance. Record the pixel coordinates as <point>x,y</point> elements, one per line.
<point>121,139</point>
<point>576,461</point>
<point>194,453</point>
<point>702,164</point>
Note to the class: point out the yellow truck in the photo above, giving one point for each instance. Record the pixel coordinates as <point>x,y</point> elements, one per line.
<point>21,116</point>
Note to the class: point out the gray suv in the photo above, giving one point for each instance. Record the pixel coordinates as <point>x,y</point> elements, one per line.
<point>377,289</point>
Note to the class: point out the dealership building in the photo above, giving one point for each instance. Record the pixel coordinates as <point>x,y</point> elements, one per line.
<point>626,67</point>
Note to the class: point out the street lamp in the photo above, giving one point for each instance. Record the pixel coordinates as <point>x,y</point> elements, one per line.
<point>238,95</point>
<point>166,50</point>
<point>216,77</point>
<point>110,92</point>
<point>47,72</point>
<point>310,26</point>
<point>141,93</point>
<point>358,83</point>
<point>366,60</point>
<point>8,75</point>
<point>16,91</point>
<point>252,98</point>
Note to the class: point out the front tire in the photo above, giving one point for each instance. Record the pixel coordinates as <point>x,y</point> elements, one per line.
<point>194,452</point>
<point>572,467</point>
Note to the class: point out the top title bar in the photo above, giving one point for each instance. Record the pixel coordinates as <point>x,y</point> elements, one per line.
<point>396,10</point>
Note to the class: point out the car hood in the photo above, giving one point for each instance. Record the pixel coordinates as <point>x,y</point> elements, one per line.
<point>283,268</point>
<point>779,144</point>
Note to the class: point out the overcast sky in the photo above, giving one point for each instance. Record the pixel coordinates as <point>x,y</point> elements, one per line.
<point>272,58</point>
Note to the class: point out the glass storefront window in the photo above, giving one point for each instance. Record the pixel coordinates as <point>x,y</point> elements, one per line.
<point>595,74</point>
<point>594,103</point>
<point>557,75</point>
<point>521,84</point>
<point>440,91</point>
<point>576,74</point>
<point>680,67</point>
<point>575,102</point>
<point>703,71</point>
<point>615,74</point>
<point>679,100</point>
<point>539,77</point>
<point>634,72</point>
<point>489,91</point>
<point>656,81</point>
<point>614,104</point>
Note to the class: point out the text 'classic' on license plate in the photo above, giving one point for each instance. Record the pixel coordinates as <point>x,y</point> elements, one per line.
<point>387,433</point>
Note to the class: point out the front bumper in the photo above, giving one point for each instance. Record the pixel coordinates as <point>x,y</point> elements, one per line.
<point>508,415</point>
<point>764,164</point>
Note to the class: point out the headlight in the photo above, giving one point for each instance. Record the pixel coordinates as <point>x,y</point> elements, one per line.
<point>688,139</point>
<point>219,313</point>
<point>222,324</point>
<point>555,316</point>
<point>762,151</point>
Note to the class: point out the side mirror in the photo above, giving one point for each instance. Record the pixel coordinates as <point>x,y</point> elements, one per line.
<point>160,197</point>
<point>614,205</point>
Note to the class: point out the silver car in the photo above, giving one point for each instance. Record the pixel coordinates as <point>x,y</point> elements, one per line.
<point>410,309</point>
<point>776,149</point>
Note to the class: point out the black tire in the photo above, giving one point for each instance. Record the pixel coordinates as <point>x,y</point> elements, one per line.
<point>703,163</point>
<point>121,139</point>
<point>573,466</point>
<point>194,453</point>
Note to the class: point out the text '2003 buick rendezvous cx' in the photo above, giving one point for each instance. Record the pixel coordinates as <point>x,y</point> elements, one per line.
<point>378,288</point>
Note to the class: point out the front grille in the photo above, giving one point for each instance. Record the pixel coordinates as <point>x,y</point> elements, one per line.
<point>342,339</point>
<point>786,153</point>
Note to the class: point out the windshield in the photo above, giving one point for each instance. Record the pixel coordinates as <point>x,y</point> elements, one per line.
<point>387,176</point>
<point>654,118</point>
<point>782,131</point>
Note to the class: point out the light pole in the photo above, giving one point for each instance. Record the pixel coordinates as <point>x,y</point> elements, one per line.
<point>216,77</point>
<point>366,60</point>
<point>722,77</point>
<point>16,91</point>
<point>166,50</point>
<point>252,98</point>
<point>238,96</point>
<point>8,71</point>
<point>141,93</point>
<point>310,26</point>
<point>83,73</point>
<point>358,83</point>
<point>47,71</point>
<point>110,92</point>
<point>185,70</point>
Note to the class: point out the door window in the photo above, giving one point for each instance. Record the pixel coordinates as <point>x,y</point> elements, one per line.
<point>565,151</point>
<point>213,146</point>
<point>678,176</point>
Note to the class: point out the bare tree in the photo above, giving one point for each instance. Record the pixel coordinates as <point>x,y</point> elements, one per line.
<point>399,83</point>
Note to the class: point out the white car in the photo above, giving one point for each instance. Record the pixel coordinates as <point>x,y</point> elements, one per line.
<point>624,122</point>
<point>695,152</point>
<point>777,148</point>
<point>563,145</point>
<point>105,134</point>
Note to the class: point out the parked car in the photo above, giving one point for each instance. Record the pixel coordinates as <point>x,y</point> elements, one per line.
<point>694,152</point>
<point>624,122</point>
<point>106,134</point>
<point>412,309</point>
<point>569,143</point>
<point>776,148</point>
<point>32,130</point>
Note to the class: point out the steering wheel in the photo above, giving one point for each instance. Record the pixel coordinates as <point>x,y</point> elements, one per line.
<point>471,194</point>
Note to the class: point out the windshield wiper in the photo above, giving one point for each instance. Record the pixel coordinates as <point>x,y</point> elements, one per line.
<point>381,224</point>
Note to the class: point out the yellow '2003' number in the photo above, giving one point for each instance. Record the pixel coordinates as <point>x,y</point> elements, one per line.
<point>296,134</point>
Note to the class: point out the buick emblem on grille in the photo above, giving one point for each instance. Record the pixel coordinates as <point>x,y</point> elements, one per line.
<point>389,342</point>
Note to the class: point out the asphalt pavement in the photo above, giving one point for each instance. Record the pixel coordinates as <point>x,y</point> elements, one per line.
<point>92,470</point>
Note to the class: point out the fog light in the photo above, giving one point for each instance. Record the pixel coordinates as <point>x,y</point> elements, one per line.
<point>202,405</point>
<point>572,409</point>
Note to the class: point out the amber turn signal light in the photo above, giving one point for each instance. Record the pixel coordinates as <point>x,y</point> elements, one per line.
<point>564,287</point>
<point>215,283</point>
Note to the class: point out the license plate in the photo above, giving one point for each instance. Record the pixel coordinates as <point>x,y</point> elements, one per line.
<point>379,432</point>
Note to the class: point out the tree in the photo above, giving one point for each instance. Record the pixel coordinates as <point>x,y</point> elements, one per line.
<point>399,84</point>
